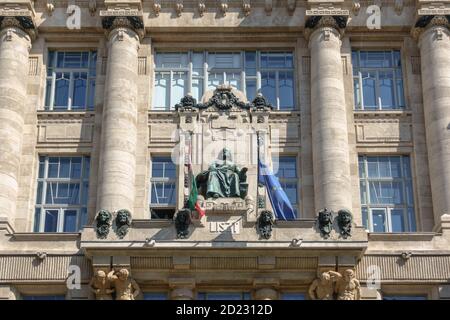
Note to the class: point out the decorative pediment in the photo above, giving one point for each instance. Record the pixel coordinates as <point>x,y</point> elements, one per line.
<point>223,99</point>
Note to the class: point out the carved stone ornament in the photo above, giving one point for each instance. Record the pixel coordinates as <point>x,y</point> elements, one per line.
<point>246,7</point>
<point>339,23</point>
<point>179,7</point>
<point>102,223</point>
<point>429,21</point>
<point>201,7</point>
<point>325,222</point>
<point>268,7</point>
<point>345,220</point>
<point>223,6</point>
<point>92,7</point>
<point>356,7</point>
<point>126,288</point>
<point>23,24</point>
<point>134,23</point>
<point>291,4</point>
<point>333,285</point>
<point>398,7</point>
<point>157,7</point>
<point>100,285</point>
<point>50,6</point>
<point>182,222</point>
<point>264,224</point>
<point>223,99</point>
<point>122,223</point>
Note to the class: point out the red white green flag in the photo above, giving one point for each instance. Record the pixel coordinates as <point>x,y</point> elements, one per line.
<point>193,195</point>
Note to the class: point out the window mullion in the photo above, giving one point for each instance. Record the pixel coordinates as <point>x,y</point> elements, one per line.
<point>277,89</point>
<point>69,102</point>
<point>60,223</point>
<point>205,72</point>
<point>170,89</point>
<point>53,90</point>
<point>190,65</point>
<point>361,90</point>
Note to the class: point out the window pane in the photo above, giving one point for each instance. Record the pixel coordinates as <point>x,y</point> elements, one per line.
<point>161,92</point>
<point>85,195</point>
<point>357,93</point>
<point>379,220</point>
<point>53,167</point>
<point>387,89</point>
<point>62,89</point>
<point>250,89</point>
<point>397,220</point>
<point>369,91</point>
<point>155,296</point>
<point>51,220</point>
<point>376,59</point>
<point>286,83</point>
<point>171,60</point>
<point>292,296</point>
<point>83,218</point>
<point>37,219</point>
<point>197,89</point>
<point>75,169</point>
<point>250,63</point>
<point>411,220</point>
<point>287,167</point>
<point>91,97</point>
<point>291,191</point>
<point>64,167</point>
<point>79,90</point>
<point>197,63</point>
<point>70,221</point>
<point>163,193</point>
<point>48,92</point>
<point>179,82</point>
<point>385,192</point>
<point>365,217</point>
<point>234,80</point>
<point>363,192</point>
<point>400,93</point>
<point>87,167</point>
<point>268,87</point>
<point>39,193</point>
<point>215,79</point>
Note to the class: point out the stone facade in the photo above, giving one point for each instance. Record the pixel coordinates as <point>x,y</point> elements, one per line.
<point>224,251</point>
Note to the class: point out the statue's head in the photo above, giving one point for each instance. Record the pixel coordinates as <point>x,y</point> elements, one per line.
<point>324,277</point>
<point>344,216</point>
<point>325,216</point>
<point>122,274</point>
<point>100,274</point>
<point>349,274</point>
<point>123,217</point>
<point>267,217</point>
<point>103,216</point>
<point>225,154</point>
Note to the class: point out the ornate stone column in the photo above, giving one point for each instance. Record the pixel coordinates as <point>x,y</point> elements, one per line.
<point>433,35</point>
<point>116,189</point>
<point>16,34</point>
<point>332,184</point>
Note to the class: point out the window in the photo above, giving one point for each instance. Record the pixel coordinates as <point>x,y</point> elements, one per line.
<point>292,296</point>
<point>178,73</point>
<point>377,80</point>
<point>223,296</point>
<point>62,194</point>
<point>155,296</point>
<point>285,169</point>
<point>44,297</point>
<point>387,199</point>
<point>70,80</point>
<point>162,188</point>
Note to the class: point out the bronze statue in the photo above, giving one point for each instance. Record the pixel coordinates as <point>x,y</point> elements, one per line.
<point>123,222</point>
<point>126,287</point>
<point>101,286</point>
<point>103,224</point>
<point>325,221</point>
<point>223,179</point>
<point>345,219</point>
<point>322,288</point>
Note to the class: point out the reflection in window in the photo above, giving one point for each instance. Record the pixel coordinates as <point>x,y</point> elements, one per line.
<point>62,194</point>
<point>387,200</point>
<point>285,169</point>
<point>269,73</point>
<point>377,80</point>
<point>70,80</point>
<point>162,188</point>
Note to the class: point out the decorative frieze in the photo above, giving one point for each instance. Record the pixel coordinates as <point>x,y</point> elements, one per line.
<point>246,7</point>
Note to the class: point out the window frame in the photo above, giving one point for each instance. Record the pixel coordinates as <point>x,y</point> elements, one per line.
<point>92,66</point>
<point>164,180</point>
<point>360,91</point>
<point>242,70</point>
<point>43,207</point>
<point>367,207</point>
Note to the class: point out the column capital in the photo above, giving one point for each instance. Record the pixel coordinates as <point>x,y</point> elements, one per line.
<point>133,23</point>
<point>120,14</point>
<point>336,24</point>
<point>18,17</point>
<point>428,22</point>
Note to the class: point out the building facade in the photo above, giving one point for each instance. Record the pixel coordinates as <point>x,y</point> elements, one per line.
<point>109,109</point>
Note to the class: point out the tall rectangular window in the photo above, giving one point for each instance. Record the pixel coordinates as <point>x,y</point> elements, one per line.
<point>62,194</point>
<point>269,73</point>
<point>387,200</point>
<point>377,80</point>
<point>71,80</point>
<point>162,188</point>
<point>285,169</point>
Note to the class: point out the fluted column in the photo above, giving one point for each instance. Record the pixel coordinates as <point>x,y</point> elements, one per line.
<point>15,45</point>
<point>117,168</point>
<point>332,185</point>
<point>434,43</point>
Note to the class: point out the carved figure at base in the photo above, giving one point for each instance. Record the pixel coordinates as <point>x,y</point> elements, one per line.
<point>126,287</point>
<point>322,288</point>
<point>265,223</point>
<point>347,286</point>
<point>101,286</point>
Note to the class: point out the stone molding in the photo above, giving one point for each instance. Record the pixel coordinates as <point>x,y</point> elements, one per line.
<point>19,19</point>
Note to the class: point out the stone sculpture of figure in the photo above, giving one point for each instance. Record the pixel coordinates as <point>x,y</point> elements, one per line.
<point>126,287</point>
<point>322,288</point>
<point>265,223</point>
<point>325,221</point>
<point>224,179</point>
<point>102,223</point>
<point>123,222</point>
<point>347,286</point>
<point>182,222</point>
<point>101,286</point>
<point>345,223</point>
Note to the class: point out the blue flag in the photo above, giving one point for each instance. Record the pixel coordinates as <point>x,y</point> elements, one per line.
<point>280,203</point>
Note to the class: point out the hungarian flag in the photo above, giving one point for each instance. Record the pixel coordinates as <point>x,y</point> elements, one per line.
<point>193,195</point>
